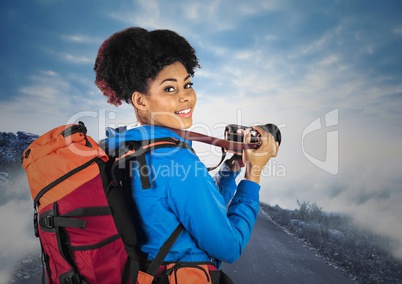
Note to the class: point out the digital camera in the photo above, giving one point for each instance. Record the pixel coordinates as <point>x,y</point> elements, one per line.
<point>234,132</point>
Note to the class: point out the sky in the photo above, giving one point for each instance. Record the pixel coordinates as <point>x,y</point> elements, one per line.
<point>328,73</point>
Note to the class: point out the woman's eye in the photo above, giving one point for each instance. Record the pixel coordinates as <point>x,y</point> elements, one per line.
<point>188,86</point>
<point>169,89</point>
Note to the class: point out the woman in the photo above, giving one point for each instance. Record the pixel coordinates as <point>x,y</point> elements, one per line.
<point>153,71</point>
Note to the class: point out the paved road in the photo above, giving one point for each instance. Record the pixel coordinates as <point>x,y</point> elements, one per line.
<point>272,256</point>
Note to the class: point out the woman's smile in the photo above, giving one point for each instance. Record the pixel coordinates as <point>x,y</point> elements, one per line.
<point>185,112</point>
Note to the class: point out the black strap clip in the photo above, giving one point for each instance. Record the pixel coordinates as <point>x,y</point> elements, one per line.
<point>70,277</point>
<point>35,223</point>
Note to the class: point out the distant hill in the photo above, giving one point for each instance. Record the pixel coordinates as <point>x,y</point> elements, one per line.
<point>11,147</point>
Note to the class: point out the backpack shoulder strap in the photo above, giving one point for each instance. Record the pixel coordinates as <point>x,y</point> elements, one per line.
<point>135,151</point>
<point>117,192</point>
<point>164,250</point>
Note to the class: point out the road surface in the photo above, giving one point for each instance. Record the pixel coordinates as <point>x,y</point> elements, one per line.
<point>273,256</point>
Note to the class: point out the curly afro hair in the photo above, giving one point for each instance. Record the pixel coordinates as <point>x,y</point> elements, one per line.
<point>129,58</point>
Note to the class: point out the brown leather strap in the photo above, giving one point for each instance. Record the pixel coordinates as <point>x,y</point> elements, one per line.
<point>226,144</point>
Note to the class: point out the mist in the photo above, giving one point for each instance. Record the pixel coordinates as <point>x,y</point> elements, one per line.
<point>16,224</point>
<point>367,185</point>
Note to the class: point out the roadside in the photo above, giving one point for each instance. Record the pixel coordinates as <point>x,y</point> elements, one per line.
<point>273,256</point>
<point>365,256</point>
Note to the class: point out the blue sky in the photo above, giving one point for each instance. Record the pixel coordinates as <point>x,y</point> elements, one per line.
<point>334,67</point>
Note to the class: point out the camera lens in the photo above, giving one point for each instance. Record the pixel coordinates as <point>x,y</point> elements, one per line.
<point>274,130</point>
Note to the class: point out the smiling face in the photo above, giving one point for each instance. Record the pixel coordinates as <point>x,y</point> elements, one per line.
<point>170,100</point>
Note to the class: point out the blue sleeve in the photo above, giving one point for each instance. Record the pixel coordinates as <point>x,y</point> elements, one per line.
<point>197,202</point>
<point>225,179</point>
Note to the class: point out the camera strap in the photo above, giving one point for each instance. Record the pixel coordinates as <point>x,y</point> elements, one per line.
<point>226,145</point>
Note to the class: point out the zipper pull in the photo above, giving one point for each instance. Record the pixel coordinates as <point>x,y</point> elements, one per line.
<point>173,268</point>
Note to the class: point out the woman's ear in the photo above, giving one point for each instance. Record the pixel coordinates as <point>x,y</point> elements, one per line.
<point>139,100</point>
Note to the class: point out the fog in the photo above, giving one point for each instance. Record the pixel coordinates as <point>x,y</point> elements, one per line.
<point>16,225</point>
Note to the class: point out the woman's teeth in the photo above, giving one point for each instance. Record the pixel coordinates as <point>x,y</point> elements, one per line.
<point>185,111</point>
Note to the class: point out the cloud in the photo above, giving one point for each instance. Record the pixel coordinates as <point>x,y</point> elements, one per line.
<point>80,39</point>
<point>190,15</point>
<point>49,99</point>
<point>137,13</point>
<point>69,57</point>
<point>398,31</point>
<point>218,16</point>
<point>75,59</point>
<point>45,89</point>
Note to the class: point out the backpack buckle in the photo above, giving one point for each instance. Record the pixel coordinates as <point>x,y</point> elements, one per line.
<point>47,222</point>
<point>70,277</point>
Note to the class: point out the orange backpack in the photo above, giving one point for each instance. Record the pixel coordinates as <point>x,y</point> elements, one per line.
<point>81,215</point>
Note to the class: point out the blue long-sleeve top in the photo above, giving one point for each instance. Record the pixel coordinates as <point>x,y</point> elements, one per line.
<point>183,192</point>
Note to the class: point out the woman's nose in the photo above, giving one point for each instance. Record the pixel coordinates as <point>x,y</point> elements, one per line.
<point>186,95</point>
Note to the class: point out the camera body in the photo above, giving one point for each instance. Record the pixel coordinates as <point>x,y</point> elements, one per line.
<point>235,133</point>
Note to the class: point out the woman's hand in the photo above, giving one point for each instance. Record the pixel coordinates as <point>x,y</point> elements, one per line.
<point>256,159</point>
